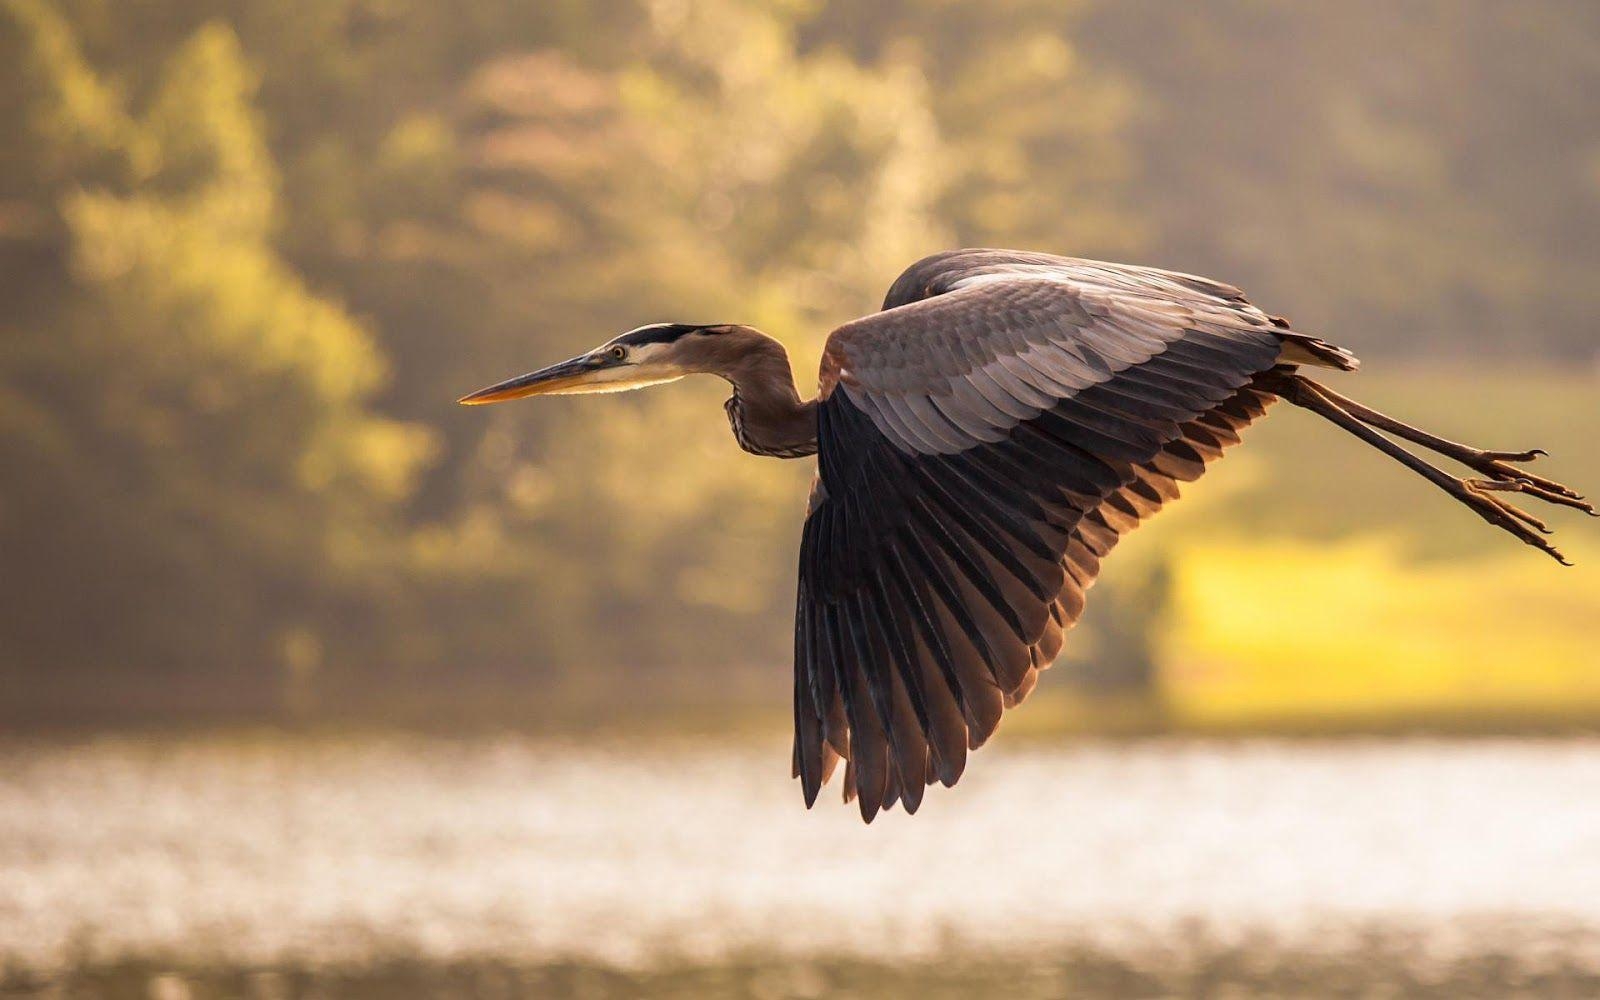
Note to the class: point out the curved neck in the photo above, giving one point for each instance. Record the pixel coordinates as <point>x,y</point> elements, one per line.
<point>766,412</point>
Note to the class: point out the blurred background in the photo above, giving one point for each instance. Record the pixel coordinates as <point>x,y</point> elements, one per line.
<point>312,682</point>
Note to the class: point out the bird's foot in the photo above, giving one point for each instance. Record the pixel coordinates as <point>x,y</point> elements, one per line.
<point>1504,477</point>
<point>1480,496</point>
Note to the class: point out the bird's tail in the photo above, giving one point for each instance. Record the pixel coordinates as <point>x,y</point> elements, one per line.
<point>1303,349</point>
<point>1484,495</point>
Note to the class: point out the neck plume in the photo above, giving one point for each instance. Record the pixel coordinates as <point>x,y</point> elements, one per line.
<point>766,412</point>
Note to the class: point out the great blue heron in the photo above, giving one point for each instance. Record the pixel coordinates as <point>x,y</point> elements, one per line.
<point>981,444</point>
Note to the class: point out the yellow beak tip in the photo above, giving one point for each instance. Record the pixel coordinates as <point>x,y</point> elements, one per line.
<point>483,397</point>
<point>556,378</point>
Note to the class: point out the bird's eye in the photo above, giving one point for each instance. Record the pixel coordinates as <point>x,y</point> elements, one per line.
<point>618,352</point>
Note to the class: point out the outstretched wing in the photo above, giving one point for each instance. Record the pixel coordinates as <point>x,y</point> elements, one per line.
<point>983,443</point>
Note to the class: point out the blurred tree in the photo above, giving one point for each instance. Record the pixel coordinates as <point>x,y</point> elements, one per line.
<point>595,201</point>
<point>190,473</point>
<point>1120,655</point>
<point>1033,136</point>
<point>731,170</point>
<point>1409,178</point>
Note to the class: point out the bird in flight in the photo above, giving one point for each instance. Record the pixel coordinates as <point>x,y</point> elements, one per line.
<point>982,443</point>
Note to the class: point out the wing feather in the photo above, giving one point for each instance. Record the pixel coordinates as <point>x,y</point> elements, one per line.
<point>985,442</point>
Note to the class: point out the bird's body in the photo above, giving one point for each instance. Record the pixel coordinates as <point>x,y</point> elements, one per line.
<point>982,443</point>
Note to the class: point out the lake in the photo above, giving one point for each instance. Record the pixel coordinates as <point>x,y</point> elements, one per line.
<point>260,864</point>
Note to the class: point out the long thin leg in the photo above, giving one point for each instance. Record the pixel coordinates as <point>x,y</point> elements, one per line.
<point>1493,464</point>
<point>1303,392</point>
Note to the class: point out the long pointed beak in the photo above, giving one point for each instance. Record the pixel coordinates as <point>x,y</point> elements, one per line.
<point>555,378</point>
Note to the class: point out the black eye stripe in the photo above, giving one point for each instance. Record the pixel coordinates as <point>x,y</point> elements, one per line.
<point>660,333</point>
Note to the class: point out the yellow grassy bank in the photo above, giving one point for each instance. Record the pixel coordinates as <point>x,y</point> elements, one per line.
<point>1361,631</point>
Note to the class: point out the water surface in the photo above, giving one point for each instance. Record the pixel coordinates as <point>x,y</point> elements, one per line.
<point>334,853</point>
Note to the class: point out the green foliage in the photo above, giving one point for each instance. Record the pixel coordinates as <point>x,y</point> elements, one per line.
<point>190,467</point>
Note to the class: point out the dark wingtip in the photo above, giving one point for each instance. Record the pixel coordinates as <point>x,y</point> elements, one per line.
<point>949,767</point>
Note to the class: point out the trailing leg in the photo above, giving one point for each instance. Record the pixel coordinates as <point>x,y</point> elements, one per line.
<point>1493,464</point>
<point>1478,495</point>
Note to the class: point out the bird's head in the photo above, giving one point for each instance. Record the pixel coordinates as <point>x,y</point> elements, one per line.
<point>649,355</point>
